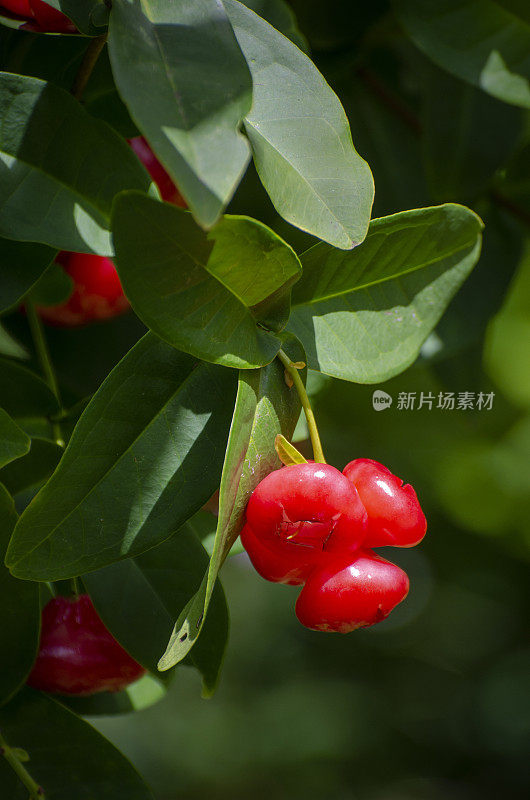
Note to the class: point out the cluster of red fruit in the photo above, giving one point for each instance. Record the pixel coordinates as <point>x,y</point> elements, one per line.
<point>97,293</point>
<point>39,16</point>
<point>311,524</point>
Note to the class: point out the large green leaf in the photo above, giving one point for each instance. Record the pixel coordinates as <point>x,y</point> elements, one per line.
<point>144,456</point>
<point>363,315</point>
<point>468,135</point>
<point>19,632</point>
<point>265,407</point>
<point>24,394</point>
<point>187,88</point>
<point>67,757</point>
<point>13,441</point>
<point>21,265</point>
<point>139,600</point>
<point>60,168</point>
<point>300,137</point>
<point>204,293</point>
<point>477,40</point>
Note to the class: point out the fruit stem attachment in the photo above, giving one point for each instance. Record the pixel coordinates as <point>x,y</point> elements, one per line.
<point>292,370</point>
<point>43,353</point>
<point>76,586</point>
<point>88,63</point>
<point>11,755</point>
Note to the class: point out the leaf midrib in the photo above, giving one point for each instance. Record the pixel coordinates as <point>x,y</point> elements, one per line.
<point>394,277</point>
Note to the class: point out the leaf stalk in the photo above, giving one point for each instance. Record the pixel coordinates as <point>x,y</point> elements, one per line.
<point>10,754</point>
<point>291,369</point>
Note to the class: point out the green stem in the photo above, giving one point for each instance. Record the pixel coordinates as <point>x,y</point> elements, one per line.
<point>36,792</point>
<point>88,63</point>
<point>76,586</point>
<point>43,353</point>
<point>292,370</point>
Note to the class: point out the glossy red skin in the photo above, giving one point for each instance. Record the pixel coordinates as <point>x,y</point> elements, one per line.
<point>40,15</point>
<point>97,292</point>
<point>19,7</point>
<point>77,654</point>
<point>309,506</point>
<point>50,19</point>
<point>344,594</point>
<point>291,566</point>
<point>168,190</point>
<point>394,513</point>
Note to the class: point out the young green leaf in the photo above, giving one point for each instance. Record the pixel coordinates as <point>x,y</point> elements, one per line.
<point>187,88</point>
<point>21,265</point>
<point>81,763</point>
<point>14,443</point>
<point>265,407</point>
<point>287,452</point>
<point>19,632</point>
<point>476,40</point>
<point>204,293</point>
<point>363,316</point>
<point>144,456</point>
<point>61,168</point>
<point>140,598</point>
<point>300,137</point>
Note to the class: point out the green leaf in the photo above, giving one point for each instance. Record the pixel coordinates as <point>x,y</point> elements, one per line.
<point>68,758</point>
<point>19,633</point>
<point>468,135</point>
<point>139,600</point>
<point>21,265</point>
<point>204,293</point>
<point>476,40</point>
<point>389,141</point>
<point>34,468</point>
<point>364,315</point>
<point>144,456</point>
<point>465,321</point>
<point>61,168</point>
<point>53,287</point>
<point>187,88</point>
<point>90,16</point>
<point>24,394</point>
<point>287,452</point>
<point>300,137</point>
<point>14,443</point>
<point>10,347</point>
<point>265,407</point>
<point>138,695</point>
<point>281,16</point>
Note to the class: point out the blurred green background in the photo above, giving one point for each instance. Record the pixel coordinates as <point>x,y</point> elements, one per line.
<point>435,701</point>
